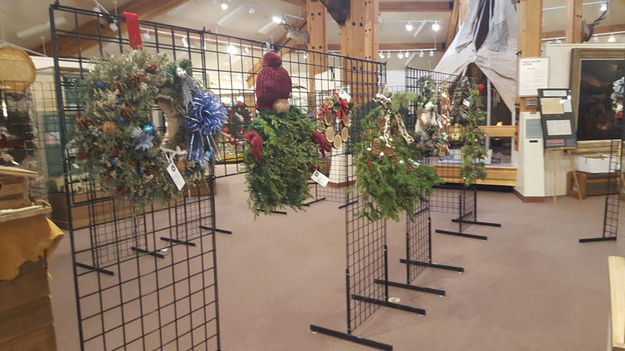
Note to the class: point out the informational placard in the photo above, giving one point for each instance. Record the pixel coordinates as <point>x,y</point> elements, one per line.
<point>557,119</point>
<point>533,75</point>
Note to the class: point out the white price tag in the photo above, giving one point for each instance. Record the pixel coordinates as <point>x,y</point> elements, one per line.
<point>466,103</point>
<point>320,178</point>
<point>175,175</point>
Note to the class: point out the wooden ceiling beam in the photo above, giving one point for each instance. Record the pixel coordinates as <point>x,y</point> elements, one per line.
<point>574,14</point>
<point>399,46</point>
<point>402,6</point>
<point>145,9</point>
<point>453,23</point>
<point>415,6</point>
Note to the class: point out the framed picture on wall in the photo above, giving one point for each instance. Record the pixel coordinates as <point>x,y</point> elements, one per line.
<point>593,71</point>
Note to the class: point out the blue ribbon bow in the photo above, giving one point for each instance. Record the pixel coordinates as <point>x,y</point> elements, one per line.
<point>206,117</point>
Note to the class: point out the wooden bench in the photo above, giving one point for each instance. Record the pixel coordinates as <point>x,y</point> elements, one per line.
<point>591,184</point>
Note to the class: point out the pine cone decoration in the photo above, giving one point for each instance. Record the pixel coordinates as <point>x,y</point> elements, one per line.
<point>81,155</point>
<point>182,166</point>
<point>328,103</point>
<point>117,85</point>
<point>151,171</point>
<point>109,127</point>
<point>120,191</point>
<point>182,146</point>
<point>381,124</point>
<point>126,113</point>
<point>151,68</point>
<point>136,79</point>
<point>394,127</point>
<point>389,151</point>
<point>376,147</point>
<point>115,151</point>
<point>83,123</point>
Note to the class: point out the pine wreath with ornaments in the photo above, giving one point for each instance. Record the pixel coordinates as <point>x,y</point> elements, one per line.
<point>389,176</point>
<point>116,142</point>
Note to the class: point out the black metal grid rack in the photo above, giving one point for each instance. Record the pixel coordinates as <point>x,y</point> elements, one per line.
<point>613,190</point>
<point>451,196</point>
<point>144,280</point>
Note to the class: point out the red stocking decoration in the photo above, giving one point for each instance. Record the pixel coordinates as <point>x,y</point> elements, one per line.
<point>256,142</point>
<point>324,144</point>
<point>134,35</point>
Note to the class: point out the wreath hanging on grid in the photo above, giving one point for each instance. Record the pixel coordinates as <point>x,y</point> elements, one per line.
<point>334,117</point>
<point>116,142</point>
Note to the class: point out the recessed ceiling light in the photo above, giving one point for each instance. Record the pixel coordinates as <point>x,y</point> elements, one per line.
<point>224,6</point>
<point>276,19</point>
<point>407,55</point>
<point>184,42</point>
<point>611,38</point>
<point>231,49</point>
<point>381,54</point>
<point>595,38</point>
<point>409,27</point>
<point>251,10</point>
<point>431,53</point>
<point>421,54</point>
<point>436,27</point>
<point>146,35</point>
<point>400,55</point>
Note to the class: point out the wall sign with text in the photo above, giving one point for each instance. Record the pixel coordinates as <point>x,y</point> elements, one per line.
<point>558,120</point>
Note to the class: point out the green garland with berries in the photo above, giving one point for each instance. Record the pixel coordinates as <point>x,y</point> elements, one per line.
<point>389,178</point>
<point>280,180</point>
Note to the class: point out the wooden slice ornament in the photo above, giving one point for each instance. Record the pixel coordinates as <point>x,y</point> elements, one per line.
<point>337,141</point>
<point>344,133</point>
<point>329,120</point>
<point>330,134</point>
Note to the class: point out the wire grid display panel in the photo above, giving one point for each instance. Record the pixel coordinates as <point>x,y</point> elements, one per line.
<point>447,197</point>
<point>366,240</point>
<point>613,190</point>
<point>418,245</point>
<point>144,280</point>
<point>166,300</point>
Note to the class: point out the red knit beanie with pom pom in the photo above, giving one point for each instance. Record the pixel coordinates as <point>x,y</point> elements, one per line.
<point>272,82</point>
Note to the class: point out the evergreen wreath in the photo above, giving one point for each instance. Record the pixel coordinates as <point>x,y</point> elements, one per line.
<point>280,178</point>
<point>618,90</point>
<point>283,144</point>
<point>389,178</point>
<point>115,139</point>
<point>467,111</point>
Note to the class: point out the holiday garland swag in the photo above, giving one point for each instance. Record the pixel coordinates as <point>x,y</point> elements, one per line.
<point>116,142</point>
<point>389,177</point>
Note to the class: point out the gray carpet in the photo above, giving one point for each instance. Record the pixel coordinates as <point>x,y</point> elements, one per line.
<point>531,286</point>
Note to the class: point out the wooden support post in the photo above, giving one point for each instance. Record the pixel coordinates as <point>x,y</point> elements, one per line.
<point>530,27</point>
<point>462,12</point>
<point>359,40</point>
<point>574,12</point>
<point>316,28</point>
<point>454,22</point>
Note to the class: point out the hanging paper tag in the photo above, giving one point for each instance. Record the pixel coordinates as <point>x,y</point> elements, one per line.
<point>320,178</point>
<point>466,103</point>
<point>175,175</point>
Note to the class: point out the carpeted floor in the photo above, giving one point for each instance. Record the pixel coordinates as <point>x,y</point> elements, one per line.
<point>531,286</point>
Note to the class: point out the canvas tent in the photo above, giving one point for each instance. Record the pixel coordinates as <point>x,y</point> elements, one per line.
<point>496,56</point>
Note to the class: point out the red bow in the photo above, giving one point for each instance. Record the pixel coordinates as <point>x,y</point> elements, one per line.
<point>256,142</point>
<point>341,113</point>
<point>132,26</point>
